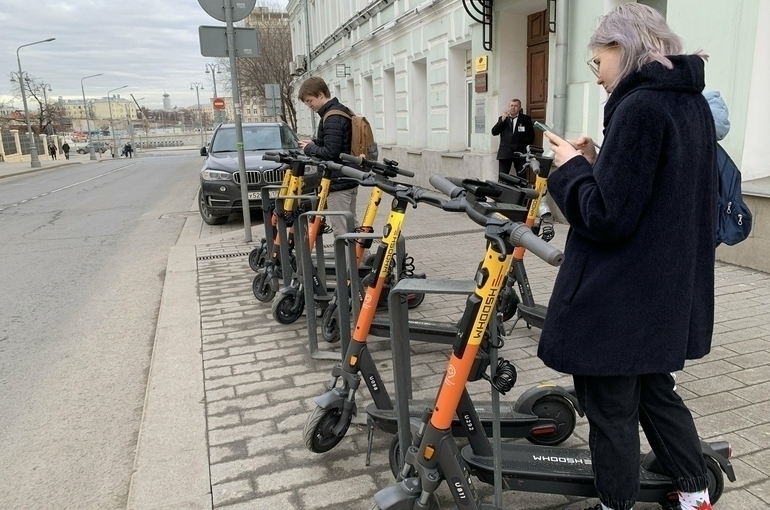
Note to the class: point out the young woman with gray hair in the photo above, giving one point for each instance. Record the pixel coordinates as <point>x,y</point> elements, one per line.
<point>634,298</point>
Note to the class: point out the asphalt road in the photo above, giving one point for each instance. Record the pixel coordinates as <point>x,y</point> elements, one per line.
<point>83,252</point>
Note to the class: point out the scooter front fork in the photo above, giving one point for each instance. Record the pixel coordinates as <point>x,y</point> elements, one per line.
<point>343,398</point>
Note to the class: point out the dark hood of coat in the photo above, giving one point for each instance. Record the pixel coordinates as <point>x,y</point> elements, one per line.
<point>688,75</point>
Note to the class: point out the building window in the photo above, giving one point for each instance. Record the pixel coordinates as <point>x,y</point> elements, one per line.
<point>660,5</point>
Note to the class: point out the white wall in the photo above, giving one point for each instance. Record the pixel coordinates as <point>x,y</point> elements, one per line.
<point>756,150</point>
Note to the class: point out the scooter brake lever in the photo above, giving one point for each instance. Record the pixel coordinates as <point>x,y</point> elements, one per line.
<point>493,236</point>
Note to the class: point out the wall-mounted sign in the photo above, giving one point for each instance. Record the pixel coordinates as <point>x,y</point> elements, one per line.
<point>481,64</point>
<point>480,81</point>
<point>480,118</point>
<point>342,70</point>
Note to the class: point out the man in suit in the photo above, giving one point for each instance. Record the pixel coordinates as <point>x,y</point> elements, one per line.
<point>516,132</point>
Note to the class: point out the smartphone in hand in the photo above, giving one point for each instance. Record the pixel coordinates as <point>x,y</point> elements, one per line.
<point>545,127</point>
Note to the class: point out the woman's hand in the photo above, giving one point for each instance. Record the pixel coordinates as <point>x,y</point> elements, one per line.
<point>586,146</point>
<point>562,149</point>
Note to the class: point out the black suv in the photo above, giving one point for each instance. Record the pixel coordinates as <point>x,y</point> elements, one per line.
<point>220,191</point>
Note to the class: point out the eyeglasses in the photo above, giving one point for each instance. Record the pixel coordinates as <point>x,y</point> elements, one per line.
<point>593,65</point>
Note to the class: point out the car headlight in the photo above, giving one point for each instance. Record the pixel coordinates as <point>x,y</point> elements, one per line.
<point>216,175</point>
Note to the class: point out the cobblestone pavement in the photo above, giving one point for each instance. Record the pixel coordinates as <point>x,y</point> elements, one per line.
<point>260,381</point>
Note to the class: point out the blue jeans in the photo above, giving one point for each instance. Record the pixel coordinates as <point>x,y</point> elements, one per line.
<point>615,406</point>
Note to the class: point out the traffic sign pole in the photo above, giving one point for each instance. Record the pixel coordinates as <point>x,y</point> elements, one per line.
<point>238,123</point>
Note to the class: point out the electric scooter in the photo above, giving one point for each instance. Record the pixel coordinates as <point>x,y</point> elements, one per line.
<point>330,322</point>
<point>328,423</point>
<point>434,457</point>
<point>265,284</point>
<point>289,302</point>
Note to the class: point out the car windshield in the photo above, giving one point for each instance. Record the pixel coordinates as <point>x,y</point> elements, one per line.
<point>255,138</point>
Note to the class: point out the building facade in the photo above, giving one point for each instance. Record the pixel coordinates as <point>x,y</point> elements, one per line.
<point>432,76</point>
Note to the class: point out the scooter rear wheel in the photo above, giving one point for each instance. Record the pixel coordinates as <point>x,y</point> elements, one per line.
<point>318,429</point>
<point>559,409</point>
<point>263,291</point>
<point>283,308</point>
<point>716,479</point>
<point>330,324</point>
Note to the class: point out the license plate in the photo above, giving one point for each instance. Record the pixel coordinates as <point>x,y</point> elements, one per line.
<point>257,195</point>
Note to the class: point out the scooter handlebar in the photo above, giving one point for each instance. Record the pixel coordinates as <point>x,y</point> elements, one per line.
<point>272,157</point>
<point>355,160</point>
<point>348,171</point>
<point>522,236</point>
<point>445,186</point>
<point>362,162</point>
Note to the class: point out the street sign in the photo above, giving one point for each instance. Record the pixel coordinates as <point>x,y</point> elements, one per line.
<point>216,8</point>
<point>219,103</point>
<point>214,42</point>
<point>273,99</point>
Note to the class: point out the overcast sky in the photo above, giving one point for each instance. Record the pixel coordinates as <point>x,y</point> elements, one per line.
<point>150,45</point>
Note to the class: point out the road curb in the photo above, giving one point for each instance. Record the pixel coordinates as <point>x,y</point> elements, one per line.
<point>171,468</point>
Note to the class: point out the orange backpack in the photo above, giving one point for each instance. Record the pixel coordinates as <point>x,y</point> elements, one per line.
<point>362,143</point>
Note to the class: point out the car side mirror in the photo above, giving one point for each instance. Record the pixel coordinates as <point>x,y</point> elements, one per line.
<point>204,152</point>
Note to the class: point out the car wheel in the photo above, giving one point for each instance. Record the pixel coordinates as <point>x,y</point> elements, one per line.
<point>207,217</point>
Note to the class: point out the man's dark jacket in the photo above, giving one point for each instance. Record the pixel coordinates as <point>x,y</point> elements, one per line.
<point>635,294</point>
<point>333,138</point>
<point>512,139</point>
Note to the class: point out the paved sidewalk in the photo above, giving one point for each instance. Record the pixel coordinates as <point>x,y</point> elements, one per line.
<point>259,381</point>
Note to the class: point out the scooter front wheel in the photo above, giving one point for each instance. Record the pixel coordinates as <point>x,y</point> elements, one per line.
<point>394,450</point>
<point>318,434</point>
<point>433,504</point>
<point>284,305</point>
<point>561,411</point>
<point>257,257</point>
<point>330,324</point>
<point>263,291</point>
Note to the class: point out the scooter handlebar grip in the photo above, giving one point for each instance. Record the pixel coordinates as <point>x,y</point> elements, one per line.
<point>522,236</point>
<point>355,160</point>
<point>445,186</point>
<point>403,171</point>
<point>353,173</point>
<point>272,157</point>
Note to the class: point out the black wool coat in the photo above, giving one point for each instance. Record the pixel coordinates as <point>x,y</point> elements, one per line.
<point>513,138</point>
<point>635,294</point>
<point>332,139</point>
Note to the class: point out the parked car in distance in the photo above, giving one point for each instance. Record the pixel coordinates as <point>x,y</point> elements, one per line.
<point>86,149</point>
<point>219,194</point>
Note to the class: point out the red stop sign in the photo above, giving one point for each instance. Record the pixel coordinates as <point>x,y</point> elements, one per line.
<point>219,103</point>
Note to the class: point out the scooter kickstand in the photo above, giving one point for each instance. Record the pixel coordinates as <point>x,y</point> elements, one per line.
<point>370,439</point>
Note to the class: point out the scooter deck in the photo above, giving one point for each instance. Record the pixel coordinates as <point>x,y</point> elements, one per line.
<point>534,315</point>
<point>512,423</point>
<point>555,470</point>
<point>421,331</point>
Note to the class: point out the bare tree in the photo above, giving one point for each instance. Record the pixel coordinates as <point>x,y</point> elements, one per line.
<point>272,64</point>
<point>50,114</point>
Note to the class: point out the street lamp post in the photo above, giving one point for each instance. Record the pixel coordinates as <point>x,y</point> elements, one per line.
<point>34,160</point>
<point>85,109</point>
<point>112,126</point>
<point>214,69</point>
<point>199,86</point>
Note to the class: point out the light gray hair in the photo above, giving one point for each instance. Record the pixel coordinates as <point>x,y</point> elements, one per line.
<point>642,35</point>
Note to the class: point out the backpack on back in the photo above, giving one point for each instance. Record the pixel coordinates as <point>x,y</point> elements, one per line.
<point>733,215</point>
<point>362,143</point>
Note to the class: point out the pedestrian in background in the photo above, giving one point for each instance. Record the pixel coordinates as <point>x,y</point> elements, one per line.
<point>129,150</point>
<point>52,150</point>
<point>633,300</point>
<point>65,148</point>
<point>516,132</point>
<point>333,138</point>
